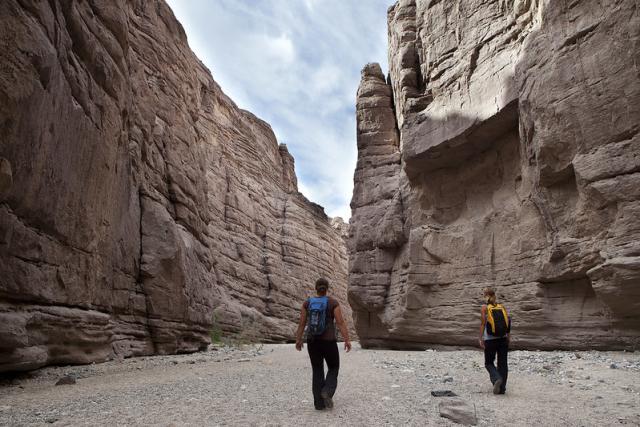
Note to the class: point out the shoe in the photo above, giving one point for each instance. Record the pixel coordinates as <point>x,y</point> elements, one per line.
<point>328,401</point>
<point>497,386</point>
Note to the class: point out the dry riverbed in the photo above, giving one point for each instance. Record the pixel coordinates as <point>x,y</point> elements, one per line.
<point>270,385</point>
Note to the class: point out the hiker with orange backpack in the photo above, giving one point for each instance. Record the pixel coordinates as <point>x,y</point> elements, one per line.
<point>494,339</point>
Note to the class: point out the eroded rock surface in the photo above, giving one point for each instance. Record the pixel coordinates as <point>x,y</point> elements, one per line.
<point>139,206</point>
<point>502,150</point>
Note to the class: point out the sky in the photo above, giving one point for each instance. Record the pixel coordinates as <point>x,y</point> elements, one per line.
<point>295,64</point>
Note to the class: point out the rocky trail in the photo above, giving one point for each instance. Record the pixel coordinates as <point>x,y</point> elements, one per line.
<point>270,385</point>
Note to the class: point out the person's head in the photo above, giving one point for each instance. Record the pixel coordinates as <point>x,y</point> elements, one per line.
<point>322,286</point>
<point>489,295</point>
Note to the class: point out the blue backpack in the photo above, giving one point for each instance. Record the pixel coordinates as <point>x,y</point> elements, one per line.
<point>317,319</point>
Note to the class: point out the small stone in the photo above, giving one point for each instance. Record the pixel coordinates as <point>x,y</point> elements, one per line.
<point>458,411</point>
<point>613,366</point>
<point>244,360</point>
<point>66,380</point>
<point>51,420</point>
<point>447,380</point>
<point>443,393</point>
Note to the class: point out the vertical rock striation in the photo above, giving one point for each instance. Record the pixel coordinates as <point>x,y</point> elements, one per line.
<point>515,165</point>
<point>139,206</point>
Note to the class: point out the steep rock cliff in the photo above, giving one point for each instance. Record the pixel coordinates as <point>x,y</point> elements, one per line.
<point>502,151</point>
<point>139,207</point>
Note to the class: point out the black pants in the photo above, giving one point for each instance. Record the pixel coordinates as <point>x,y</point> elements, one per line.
<point>501,348</point>
<point>319,352</point>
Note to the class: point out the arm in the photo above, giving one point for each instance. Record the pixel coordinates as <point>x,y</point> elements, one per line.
<point>301,325</point>
<point>337,313</point>
<point>483,323</point>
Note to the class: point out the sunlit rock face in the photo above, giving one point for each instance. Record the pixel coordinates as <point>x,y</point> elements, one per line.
<point>502,150</point>
<point>140,208</point>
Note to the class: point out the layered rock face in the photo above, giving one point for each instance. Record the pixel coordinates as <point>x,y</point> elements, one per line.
<point>502,151</point>
<point>139,207</point>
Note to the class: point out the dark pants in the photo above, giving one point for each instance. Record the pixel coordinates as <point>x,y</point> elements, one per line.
<point>319,352</point>
<point>501,348</point>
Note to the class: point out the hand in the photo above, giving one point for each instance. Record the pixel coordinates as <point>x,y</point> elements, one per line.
<point>481,342</point>
<point>299,345</point>
<point>347,346</point>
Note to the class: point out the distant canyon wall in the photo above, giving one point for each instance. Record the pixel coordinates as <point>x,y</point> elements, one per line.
<point>502,150</point>
<point>140,208</point>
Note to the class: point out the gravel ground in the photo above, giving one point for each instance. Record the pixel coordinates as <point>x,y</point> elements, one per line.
<point>271,385</point>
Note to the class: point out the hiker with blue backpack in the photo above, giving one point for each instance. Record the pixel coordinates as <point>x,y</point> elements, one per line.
<point>494,339</point>
<point>319,314</point>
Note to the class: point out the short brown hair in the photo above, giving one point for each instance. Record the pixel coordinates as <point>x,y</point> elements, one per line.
<point>322,283</point>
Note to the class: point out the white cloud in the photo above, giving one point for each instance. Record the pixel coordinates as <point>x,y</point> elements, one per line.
<point>278,48</point>
<point>295,64</point>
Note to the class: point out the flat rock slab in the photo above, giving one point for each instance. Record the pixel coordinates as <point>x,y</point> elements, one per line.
<point>459,411</point>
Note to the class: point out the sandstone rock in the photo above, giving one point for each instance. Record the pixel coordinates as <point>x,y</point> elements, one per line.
<point>458,411</point>
<point>145,208</point>
<point>512,161</point>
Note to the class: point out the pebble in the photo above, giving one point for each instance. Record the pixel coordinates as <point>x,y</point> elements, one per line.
<point>66,380</point>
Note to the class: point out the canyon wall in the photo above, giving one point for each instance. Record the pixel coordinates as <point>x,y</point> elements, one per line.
<point>140,208</point>
<point>502,150</point>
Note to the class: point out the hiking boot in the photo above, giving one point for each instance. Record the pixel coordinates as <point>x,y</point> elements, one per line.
<point>497,386</point>
<point>328,401</point>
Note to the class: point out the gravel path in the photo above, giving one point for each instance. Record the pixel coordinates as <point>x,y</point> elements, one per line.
<point>270,385</point>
